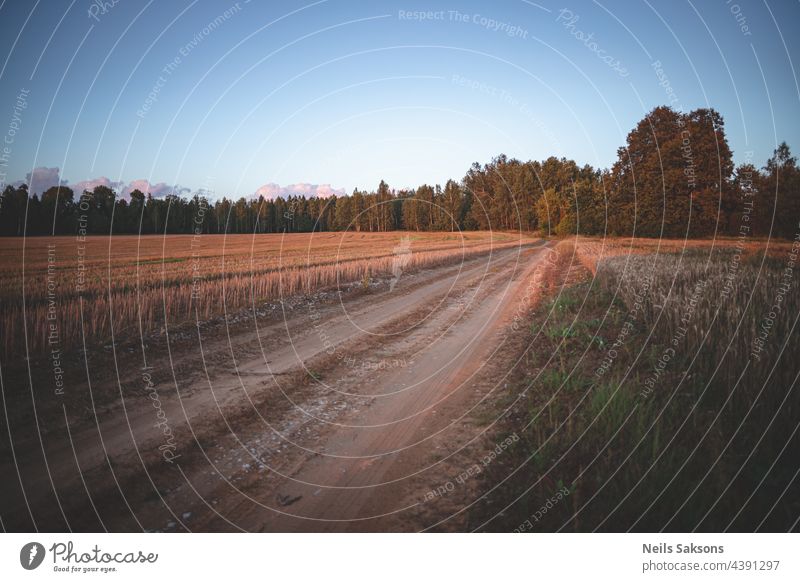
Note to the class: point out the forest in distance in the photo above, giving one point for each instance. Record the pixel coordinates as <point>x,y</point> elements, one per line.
<point>675,177</point>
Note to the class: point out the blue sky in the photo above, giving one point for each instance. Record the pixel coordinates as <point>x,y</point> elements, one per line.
<point>345,93</point>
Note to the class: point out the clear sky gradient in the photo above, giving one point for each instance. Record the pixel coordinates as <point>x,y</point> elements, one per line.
<point>346,93</point>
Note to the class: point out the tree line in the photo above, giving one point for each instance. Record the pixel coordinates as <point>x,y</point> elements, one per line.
<point>674,177</point>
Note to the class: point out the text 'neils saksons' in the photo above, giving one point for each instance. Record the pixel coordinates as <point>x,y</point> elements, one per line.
<point>663,548</point>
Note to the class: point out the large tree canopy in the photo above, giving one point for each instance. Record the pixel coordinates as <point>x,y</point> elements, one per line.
<point>672,176</point>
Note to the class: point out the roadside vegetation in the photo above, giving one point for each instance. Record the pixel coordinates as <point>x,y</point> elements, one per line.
<point>661,394</point>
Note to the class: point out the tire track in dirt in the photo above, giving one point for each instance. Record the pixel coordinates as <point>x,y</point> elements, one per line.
<point>372,450</point>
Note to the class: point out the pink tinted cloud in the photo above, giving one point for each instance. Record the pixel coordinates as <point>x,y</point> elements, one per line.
<point>158,190</point>
<point>42,178</point>
<point>80,187</point>
<point>123,190</point>
<point>271,190</point>
<point>326,191</point>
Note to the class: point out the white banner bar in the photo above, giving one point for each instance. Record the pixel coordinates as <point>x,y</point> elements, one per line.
<point>354,557</point>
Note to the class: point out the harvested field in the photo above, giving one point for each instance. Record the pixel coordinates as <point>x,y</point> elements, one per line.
<point>591,250</point>
<point>103,286</point>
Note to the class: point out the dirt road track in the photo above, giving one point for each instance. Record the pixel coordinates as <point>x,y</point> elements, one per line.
<point>322,420</point>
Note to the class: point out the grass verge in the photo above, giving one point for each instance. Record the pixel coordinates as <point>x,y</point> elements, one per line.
<point>659,395</point>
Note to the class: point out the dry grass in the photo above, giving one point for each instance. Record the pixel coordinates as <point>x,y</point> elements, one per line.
<point>662,393</point>
<point>139,284</point>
